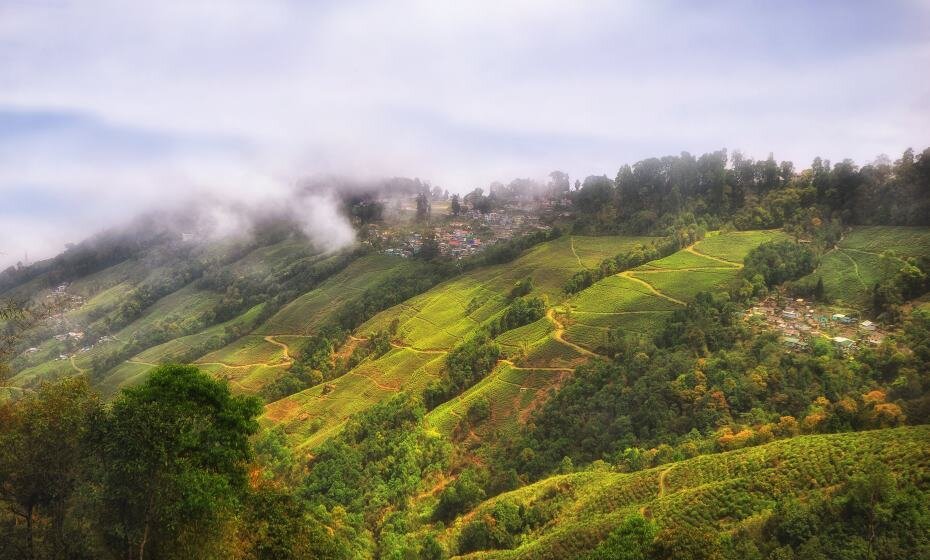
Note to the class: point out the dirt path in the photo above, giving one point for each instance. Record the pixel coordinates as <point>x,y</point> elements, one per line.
<point>855,266</point>
<point>375,381</point>
<point>140,362</point>
<point>581,264</point>
<point>628,274</point>
<point>693,251</point>
<point>417,350</point>
<point>690,269</point>
<point>560,330</point>
<point>81,371</point>
<point>662,486</point>
<point>241,366</point>
<point>515,366</point>
<point>287,351</point>
<point>644,511</point>
<point>874,254</point>
<point>440,484</point>
<point>288,359</point>
<point>429,322</point>
<point>617,312</point>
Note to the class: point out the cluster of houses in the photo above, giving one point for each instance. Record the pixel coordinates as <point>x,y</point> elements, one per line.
<point>460,237</point>
<point>800,321</point>
<point>64,302</point>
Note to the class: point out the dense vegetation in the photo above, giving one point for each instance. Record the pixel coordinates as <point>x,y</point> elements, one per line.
<point>602,397</point>
<point>721,189</point>
<point>707,383</point>
<point>162,472</point>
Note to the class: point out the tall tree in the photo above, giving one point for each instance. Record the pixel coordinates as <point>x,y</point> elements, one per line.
<point>43,441</point>
<point>176,450</point>
<point>423,207</point>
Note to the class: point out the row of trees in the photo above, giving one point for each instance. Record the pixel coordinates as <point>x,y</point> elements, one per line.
<point>719,188</point>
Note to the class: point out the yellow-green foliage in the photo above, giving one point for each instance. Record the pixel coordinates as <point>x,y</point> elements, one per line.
<point>733,246</point>
<point>248,350</point>
<point>434,322</point>
<point>683,285</point>
<point>593,250</point>
<point>507,388</point>
<point>902,241</point>
<point>639,300</point>
<point>313,309</point>
<point>311,416</point>
<point>683,260</point>
<point>616,294</point>
<point>865,257</point>
<point>712,492</point>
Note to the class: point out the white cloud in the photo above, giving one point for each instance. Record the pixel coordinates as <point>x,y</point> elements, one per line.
<point>243,98</point>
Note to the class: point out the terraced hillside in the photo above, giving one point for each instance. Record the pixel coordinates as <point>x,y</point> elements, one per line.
<point>430,324</point>
<point>542,353</point>
<point>255,360</point>
<point>538,355</point>
<point>638,300</point>
<point>867,255</point>
<point>147,309</point>
<point>718,493</point>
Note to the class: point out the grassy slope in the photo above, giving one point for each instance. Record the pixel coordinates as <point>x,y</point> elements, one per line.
<point>184,309</point>
<point>857,263</point>
<point>714,492</point>
<point>621,301</point>
<point>306,313</point>
<point>429,325</point>
<point>638,301</point>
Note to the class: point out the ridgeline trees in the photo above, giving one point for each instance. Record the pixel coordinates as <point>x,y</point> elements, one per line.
<point>720,188</point>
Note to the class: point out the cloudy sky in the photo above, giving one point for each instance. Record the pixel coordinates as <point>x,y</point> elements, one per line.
<point>109,108</point>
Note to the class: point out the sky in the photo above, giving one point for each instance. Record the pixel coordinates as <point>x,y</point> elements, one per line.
<point>111,108</point>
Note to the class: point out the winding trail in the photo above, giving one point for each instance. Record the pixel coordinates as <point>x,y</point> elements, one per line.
<point>644,510</point>
<point>515,366</point>
<point>80,370</point>
<point>581,264</point>
<point>560,330</point>
<point>662,485</point>
<point>396,344</point>
<point>629,274</point>
<point>690,269</point>
<point>855,266</point>
<point>140,362</point>
<point>375,381</point>
<point>288,359</point>
<point>287,351</point>
<point>693,251</point>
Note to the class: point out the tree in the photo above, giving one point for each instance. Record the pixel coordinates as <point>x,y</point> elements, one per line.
<point>175,450</point>
<point>278,525</point>
<point>43,444</point>
<point>559,183</point>
<point>455,205</point>
<point>632,540</point>
<point>423,207</point>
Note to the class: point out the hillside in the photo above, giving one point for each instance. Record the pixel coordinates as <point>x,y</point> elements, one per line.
<point>429,325</point>
<point>718,493</point>
<point>865,257</point>
<point>543,353</point>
